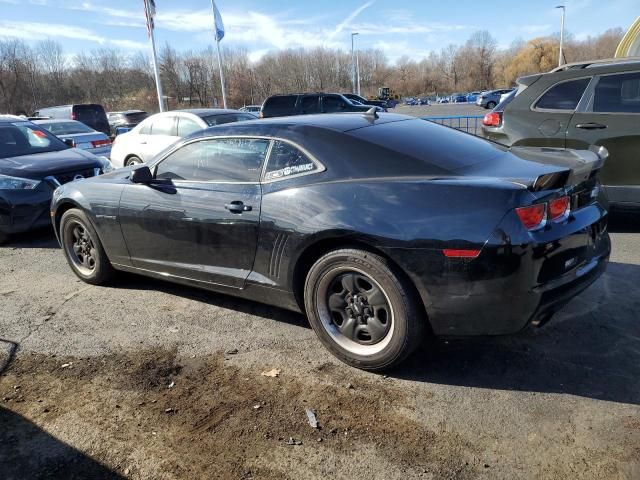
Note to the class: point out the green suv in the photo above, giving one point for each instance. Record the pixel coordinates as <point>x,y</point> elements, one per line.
<point>576,106</point>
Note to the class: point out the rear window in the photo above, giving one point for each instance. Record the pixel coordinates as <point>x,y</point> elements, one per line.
<point>564,96</point>
<point>424,140</point>
<point>281,102</point>
<point>214,120</point>
<point>90,114</point>
<point>618,94</point>
<point>67,128</point>
<point>17,139</point>
<point>135,117</point>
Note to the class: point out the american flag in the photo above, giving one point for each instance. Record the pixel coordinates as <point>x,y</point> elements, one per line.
<point>149,12</point>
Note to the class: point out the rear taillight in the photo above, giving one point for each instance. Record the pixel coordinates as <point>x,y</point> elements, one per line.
<point>492,119</point>
<point>100,143</point>
<point>559,208</point>
<point>458,253</point>
<point>74,116</point>
<point>533,217</point>
<point>261,115</point>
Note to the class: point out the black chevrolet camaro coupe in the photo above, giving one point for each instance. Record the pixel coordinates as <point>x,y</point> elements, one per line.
<point>380,229</point>
<point>33,163</point>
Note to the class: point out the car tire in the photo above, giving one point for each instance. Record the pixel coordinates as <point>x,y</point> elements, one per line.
<point>491,105</point>
<point>363,310</point>
<point>82,248</point>
<point>133,161</point>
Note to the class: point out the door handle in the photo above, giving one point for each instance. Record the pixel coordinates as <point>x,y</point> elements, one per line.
<point>591,126</point>
<point>238,207</point>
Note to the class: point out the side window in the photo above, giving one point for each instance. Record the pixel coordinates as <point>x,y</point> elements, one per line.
<point>145,128</point>
<point>223,160</point>
<point>564,96</point>
<point>286,160</point>
<point>187,126</point>
<point>618,94</point>
<point>309,104</point>
<point>164,126</point>
<point>333,103</point>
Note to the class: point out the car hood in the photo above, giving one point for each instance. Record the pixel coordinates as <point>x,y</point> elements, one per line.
<point>40,165</point>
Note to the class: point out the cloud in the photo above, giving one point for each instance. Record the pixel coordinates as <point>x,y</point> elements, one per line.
<point>42,31</point>
<point>347,21</point>
<point>129,44</point>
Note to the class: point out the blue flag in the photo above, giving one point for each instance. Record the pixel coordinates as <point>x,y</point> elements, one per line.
<point>218,22</point>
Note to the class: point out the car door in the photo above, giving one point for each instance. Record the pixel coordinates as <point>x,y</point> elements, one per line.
<point>199,219</point>
<point>611,118</point>
<point>162,135</point>
<point>309,104</point>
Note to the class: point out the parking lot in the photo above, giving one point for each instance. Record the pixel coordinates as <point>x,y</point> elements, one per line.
<point>150,380</point>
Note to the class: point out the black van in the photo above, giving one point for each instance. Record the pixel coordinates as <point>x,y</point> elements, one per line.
<point>309,103</point>
<point>91,114</point>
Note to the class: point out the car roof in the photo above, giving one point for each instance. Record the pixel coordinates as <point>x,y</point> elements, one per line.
<point>12,118</point>
<point>206,111</point>
<point>55,120</point>
<point>340,122</point>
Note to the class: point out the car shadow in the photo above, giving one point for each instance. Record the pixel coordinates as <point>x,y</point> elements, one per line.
<point>30,452</point>
<point>128,281</point>
<point>8,350</point>
<point>624,221</point>
<point>40,238</point>
<point>591,348</point>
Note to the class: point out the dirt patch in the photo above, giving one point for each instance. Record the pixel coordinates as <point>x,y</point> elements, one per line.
<point>152,414</point>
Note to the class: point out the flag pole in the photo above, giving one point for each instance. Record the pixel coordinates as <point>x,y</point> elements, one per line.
<point>154,60</point>
<point>224,93</point>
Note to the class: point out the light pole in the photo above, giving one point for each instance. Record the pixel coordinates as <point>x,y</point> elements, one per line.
<point>561,56</point>
<point>353,64</point>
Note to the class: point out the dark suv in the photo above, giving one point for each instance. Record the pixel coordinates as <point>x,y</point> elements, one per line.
<point>308,103</point>
<point>91,114</point>
<point>576,106</point>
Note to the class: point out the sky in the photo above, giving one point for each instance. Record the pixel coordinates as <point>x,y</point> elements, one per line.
<point>397,27</point>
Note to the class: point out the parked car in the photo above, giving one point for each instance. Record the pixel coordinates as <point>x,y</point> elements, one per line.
<point>78,135</point>
<point>308,103</point>
<point>159,131</point>
<point>379,227</point>
<point>588,103</point>
<point>424,101</point>
<point>121,122</point>
<point>92,115</point>
<point>251,109</point>
<point>411,101</point>
<point>491,98</point>
<point>357,98</point>
<point>33,162</point>
<point>460,99</point>
<point>472,97</point>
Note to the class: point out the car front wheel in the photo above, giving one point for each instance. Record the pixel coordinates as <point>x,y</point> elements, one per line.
<point>133,161</point>
<point>83,249</point>
<point>491,105</point>
<point>362,309</point>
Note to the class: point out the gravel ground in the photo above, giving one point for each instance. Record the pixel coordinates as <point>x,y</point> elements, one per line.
<point>148,380</point>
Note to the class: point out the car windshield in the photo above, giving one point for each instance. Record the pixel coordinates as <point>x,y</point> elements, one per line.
<point>135,117</point>
<point>24,138</point>
<point>213,120</point>
<point>66,128</point>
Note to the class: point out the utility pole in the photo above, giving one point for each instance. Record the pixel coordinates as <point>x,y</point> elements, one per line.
<point>353,64</point>
<point>358,71</point>
<point>561,55</point>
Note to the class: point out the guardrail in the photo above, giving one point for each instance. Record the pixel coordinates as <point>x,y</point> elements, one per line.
<point>469,124</point>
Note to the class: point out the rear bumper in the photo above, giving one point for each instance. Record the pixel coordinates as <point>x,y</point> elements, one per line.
<point>516,280</point>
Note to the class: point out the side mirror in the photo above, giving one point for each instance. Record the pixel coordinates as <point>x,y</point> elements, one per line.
<point>141,175</point>
<point>69,142</point>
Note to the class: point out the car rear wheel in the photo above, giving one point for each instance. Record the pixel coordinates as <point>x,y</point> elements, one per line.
<point>491,105</point>
<point>82,248</point>
<point>133,161</point>
<point>363,310</point>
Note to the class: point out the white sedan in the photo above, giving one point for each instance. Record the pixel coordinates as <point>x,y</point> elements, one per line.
<point>159,131</point>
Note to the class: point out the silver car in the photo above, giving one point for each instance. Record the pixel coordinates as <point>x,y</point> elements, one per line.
<point>78,135</point>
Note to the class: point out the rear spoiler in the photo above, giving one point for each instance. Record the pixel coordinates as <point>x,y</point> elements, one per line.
<point>583,165</point>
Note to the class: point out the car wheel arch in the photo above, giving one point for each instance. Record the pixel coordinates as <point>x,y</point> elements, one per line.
<point>314,251</point>
<point>64,207</point>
